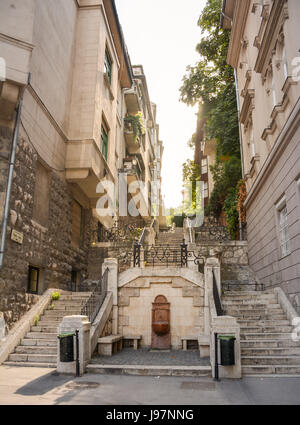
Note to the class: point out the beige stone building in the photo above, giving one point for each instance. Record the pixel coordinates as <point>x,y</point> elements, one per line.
<point>72,137</point>
<point>264,51</point>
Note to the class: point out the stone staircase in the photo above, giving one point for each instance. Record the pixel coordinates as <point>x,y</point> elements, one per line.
<point>267,347</point>
<point>39,347</point>
<point>171,238</point>
<point>167,250</point>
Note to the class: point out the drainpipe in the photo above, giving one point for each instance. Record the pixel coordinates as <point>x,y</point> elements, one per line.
<point>10,175</point>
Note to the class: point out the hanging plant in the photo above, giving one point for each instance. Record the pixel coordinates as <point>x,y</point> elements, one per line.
<point>242,195</point>
<point>136,124</point>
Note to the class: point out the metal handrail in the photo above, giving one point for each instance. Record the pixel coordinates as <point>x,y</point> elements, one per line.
<point>216,295</point>
<point>142,238</point>
<point>95,301</point>
<point>189,226</point>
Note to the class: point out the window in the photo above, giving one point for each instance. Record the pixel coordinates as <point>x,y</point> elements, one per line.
<point>33,279</point>
<point>104,142</point>
<point>285,63</point>
<point>108,66</point>
<point>284,238</point>
<point>77,216</point>
<point>74,280</point>
<point>41,195</point>
<point>204,166</point>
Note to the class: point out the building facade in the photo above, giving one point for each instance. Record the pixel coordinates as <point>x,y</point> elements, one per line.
<point>72,138</point>
<point>264,51</point>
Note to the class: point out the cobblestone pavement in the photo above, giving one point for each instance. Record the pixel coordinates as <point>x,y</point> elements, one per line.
<point>144,356</point>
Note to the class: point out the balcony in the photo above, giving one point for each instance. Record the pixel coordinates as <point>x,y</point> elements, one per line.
<point>132,101</point>
<point>86,166</point>
<point>134,166</point>
<point>133,137</point>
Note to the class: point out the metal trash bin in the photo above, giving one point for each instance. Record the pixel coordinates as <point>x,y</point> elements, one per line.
<point>227,350</point>
<point>66,347</point>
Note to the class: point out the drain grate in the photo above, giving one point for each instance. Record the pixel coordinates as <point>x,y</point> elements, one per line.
<point>203,386</point>
<point>82,385</point>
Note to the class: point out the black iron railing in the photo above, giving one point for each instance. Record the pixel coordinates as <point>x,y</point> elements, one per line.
<point>166,255</point>
<point>120,232</point>
<point>216,296</point>
<point>161,255</point>
<point>94,303</point>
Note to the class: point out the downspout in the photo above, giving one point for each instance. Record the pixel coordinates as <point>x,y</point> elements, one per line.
<point>10,174</point>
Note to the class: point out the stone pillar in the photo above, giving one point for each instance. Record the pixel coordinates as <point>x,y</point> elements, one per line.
<point>70,324</point>
<point>212,264</point>
<point>226,325</point>
<point>190,260</point>
<point>112,286</point>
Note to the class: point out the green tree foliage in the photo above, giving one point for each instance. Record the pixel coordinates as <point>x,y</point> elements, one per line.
<point>211,83</point>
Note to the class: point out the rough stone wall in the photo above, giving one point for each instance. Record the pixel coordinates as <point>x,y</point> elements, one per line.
<point>230,252</point>
<point>5,146</point>
<point>233,256</point>
<point>49,248</point>
<point>97,254</point>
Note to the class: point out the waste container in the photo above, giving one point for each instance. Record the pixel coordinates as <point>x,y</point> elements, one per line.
<point>66,347</point>
<point>227,350</point>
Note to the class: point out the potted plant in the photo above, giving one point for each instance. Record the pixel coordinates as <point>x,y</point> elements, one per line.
<point>135,124</point>
<point>55,296</point>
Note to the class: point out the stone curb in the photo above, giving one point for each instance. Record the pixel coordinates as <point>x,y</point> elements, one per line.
<point>144,370</point>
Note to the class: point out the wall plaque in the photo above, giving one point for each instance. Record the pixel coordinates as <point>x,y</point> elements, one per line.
<point>17,237</point>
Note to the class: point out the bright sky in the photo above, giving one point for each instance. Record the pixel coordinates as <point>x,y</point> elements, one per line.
<point>162,36</point>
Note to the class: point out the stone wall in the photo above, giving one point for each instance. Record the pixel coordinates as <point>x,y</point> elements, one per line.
<point>229,252</point>
<point>49,249</point>
<point>186,302</point>
<point>97,253</point>
<point>233,256</point>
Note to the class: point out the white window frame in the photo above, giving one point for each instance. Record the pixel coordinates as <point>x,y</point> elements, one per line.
<point>283,228</point>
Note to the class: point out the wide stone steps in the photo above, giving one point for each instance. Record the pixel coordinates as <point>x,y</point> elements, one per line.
<point>262,316</point>
<point>267,347</point>
<point>271,370</point>
<point>30,364</point>
<point>266,329</point>
<point>60,313</point>
<point>288,351</point>
<point>51,342</point>
<point>39,347</point>
<point>34,358</point>
<point>271,360</point>
<point>41,335</point>
<point>268,343</point>
<point>247,302</point>
<point>265,335</point>
<point>36,349</point>
<point>46,329</point>
<point>259,322</point>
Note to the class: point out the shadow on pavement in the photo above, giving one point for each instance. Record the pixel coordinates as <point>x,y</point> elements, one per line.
<point>44,384</point>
